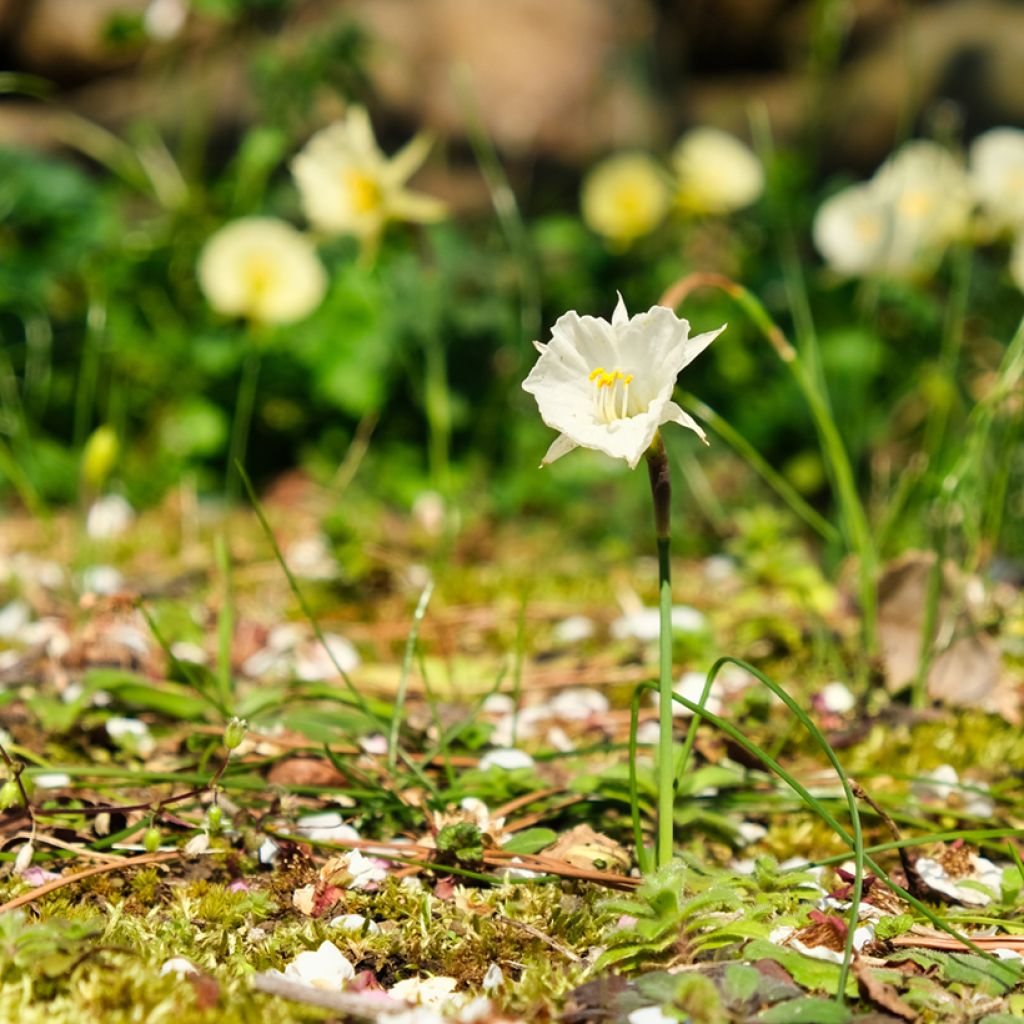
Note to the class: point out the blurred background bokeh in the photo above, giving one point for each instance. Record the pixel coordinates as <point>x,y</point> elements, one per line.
<point>131,131</point>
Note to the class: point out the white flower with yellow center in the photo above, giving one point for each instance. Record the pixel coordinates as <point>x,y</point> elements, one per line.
<point>349,187</point>
<point>715,172</point>
<point>996,166</point>
<point>926,190</point>
<point>608,386</point>
<point>263,269</point>
<point>850,230</point>
<point>625,196</point>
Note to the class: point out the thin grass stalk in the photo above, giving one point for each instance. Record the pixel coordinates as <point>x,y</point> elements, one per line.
<point>949,352</point>
<point>764,469</point>
<point>261,516</point>
<point>856,528</point>
<point>812,802</point>
<point>225,624</point>
<point>245,401</point>
<point>403,680</point>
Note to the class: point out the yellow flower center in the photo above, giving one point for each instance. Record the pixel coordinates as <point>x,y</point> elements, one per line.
<point>917,204</point>
<point>611,394</point>
<point>259,275</point>
<point>363,191</point>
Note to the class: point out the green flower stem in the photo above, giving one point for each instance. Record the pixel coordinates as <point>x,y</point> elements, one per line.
<point>245,400</point>
<point>661,492</point>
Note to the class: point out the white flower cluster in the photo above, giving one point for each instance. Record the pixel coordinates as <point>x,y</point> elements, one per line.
<point>921,200</point>
<point>265,270</point>
<point>629,194</point>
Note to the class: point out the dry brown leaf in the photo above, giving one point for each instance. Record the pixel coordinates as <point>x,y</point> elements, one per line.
<point>881,993</point>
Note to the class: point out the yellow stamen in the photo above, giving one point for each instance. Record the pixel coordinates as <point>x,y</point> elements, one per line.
<point>599,372</point>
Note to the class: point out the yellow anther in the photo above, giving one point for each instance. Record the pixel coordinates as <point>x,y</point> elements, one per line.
<point>599,372</point>
<point>628,378</point>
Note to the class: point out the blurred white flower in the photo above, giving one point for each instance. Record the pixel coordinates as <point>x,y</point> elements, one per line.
<point>104,580</point>
<point>574,629</point>
<point>314,663</point>
<point>509,760</point>
<point>263,269</point>
<point>311,558</point>
<point>691,685</point>
<point>850,229</point>
<point>132,735</point>
<point>625,197</point>
<point>608,386</point>
<point>715,172</point>
<point>837,698</point>
<point>109,517</point>
<point>927,191</point>
<point>578,703</point>
<point>433,992</point>
<point>901,221</point>
<point>996,167</point>
<point>937,785</point>
<point>349,187</point>
<point>325,968</point>
<point>14,617</point>
<point>164,19</point>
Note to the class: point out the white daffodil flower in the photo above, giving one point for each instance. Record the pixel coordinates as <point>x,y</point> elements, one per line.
<point>349,187</point>
<point>326,967</point>
<point>716,173</point>
<point>608,386</point>
<point>263,269</point>
<point>850,229</point>
<point>996,169</point>
<point>927,191</point>
<point>625,197</point>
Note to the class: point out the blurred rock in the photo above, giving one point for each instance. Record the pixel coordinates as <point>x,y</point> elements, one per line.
<point>68,38</point>
<point>541,75</point>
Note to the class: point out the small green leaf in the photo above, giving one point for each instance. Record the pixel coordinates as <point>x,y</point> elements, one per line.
<point>530,840</point>
<point>806,1010</point>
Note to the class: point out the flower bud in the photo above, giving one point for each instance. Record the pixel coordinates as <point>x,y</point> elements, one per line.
<point>24,858</point>
<point>151,840</point>
<point>234,732</point>
<point>214,817</point>
<point>99,456</point>
<point>10,795</point>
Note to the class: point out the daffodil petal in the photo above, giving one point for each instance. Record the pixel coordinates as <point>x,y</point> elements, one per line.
<point>674,414</point>
<point>409,159</point>
<point>562,445</point>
